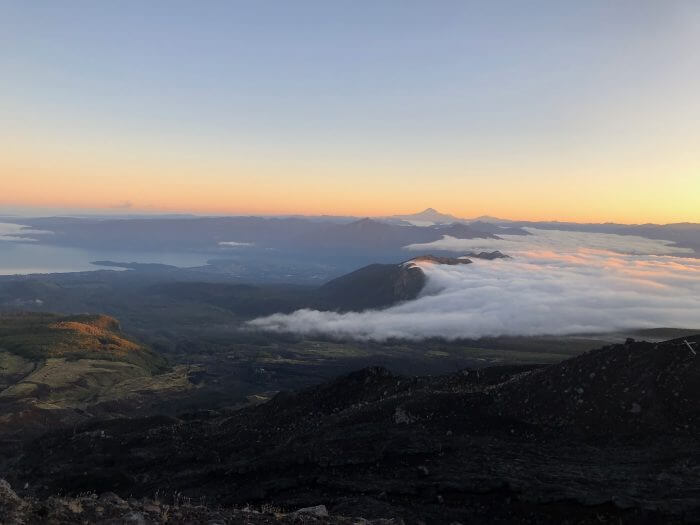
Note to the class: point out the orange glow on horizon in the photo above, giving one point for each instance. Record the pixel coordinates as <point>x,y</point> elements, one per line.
<point>623,192</point>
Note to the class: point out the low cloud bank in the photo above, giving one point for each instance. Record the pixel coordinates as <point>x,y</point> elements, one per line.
<point>557,283</point>
<point>562,241</point>
<point>17,232</point>
<point>234,244</point>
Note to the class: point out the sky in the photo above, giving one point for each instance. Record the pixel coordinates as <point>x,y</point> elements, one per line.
<point>581,111</point>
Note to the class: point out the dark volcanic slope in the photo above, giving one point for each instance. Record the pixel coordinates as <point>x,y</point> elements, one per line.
<point>379,285</point>
<point>634,389</point>
<point>374,286</point>
<point>610,436</point>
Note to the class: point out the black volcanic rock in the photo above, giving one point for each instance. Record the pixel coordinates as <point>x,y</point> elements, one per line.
<point>509,444</point>
<point>633,388</point>
<point>110,509</point>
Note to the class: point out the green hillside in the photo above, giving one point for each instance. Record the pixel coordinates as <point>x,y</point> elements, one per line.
<point>59,370</point>
<point>36,336</point>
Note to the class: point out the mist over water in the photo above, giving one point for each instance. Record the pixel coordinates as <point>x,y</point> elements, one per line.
<point>18,232</point>
<point>556,283</point>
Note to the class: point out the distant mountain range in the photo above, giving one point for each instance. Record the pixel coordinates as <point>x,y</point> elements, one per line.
<point>236,235</point>
<point>381,234</point>
<point>375,236</point>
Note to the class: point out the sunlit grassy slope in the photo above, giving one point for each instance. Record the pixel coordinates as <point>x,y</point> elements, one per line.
<point>59,370</point>
<point>35,336</point>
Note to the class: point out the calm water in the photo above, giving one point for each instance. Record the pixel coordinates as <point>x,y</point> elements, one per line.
<point>25,258</point>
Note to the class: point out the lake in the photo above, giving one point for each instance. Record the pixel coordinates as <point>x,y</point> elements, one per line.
<point>32,257</point>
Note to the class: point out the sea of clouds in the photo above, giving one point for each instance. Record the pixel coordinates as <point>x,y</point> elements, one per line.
<point>556,283</point>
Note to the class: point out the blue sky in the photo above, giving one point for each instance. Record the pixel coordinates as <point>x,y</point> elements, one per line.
<point>462,89</point>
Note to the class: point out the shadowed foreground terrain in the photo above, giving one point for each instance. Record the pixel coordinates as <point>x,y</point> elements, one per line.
<point>609,436</point>
<point>109,508</point>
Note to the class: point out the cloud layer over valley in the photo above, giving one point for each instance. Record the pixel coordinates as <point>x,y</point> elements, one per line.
<point>559,240</point>
<point>556,283</point>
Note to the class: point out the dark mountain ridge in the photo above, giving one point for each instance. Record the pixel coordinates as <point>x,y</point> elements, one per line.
<point>477,446</point>
<point>204,234</point>
<point>380,285</point>
<point>300,234</point>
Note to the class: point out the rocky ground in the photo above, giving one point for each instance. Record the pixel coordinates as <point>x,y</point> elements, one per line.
<point>110,509</point>
<point>610,436</point>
